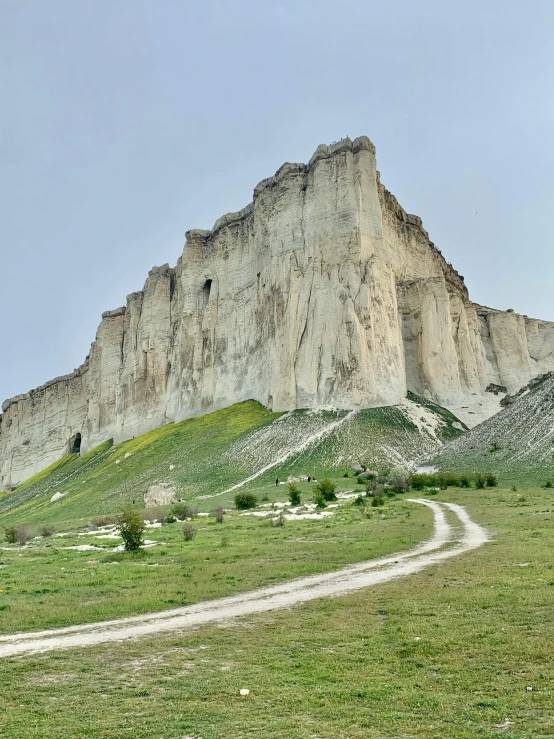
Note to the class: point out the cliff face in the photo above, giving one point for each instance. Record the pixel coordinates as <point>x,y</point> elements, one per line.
<point>322,292</point>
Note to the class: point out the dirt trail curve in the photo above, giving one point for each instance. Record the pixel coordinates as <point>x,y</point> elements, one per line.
<point>447,541</point>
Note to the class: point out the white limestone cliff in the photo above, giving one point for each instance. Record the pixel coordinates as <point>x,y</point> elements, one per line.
<point>322,292</point>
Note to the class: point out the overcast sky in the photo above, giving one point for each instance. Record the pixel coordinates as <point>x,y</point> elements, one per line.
<point>123,124</point>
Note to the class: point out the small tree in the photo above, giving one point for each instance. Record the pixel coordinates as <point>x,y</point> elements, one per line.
<point>327,489</point>
<point>183,511</point>
<point>319,500</point>
<point>294,494</point>
<point>131,525</point>
<point>189,532</point>
<point>492,480</point>
<point>243,501</point>
<point>377,498</point>
<point>479,481</point>
<point>399,480</point>
<point>218,513</point>
<point>10,534</point>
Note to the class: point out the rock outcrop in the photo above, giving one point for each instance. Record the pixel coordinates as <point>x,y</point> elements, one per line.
<point>323,292</point>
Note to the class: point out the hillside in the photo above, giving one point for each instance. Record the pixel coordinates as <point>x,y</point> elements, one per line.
<point>239,446</point>
<point>517,443</point>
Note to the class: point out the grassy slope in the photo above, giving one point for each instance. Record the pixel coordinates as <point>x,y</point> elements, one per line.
<point>95,484</point>
<point>342,668</point>
<point>517,443</point>
<point>214,452</point>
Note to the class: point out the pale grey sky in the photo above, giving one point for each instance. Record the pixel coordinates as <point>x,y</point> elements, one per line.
<point>123,124</point>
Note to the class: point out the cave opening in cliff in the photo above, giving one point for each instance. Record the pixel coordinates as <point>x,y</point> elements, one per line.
<point>75,444</point>
<point>206,292</point>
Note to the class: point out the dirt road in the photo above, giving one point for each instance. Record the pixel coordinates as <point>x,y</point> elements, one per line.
<point>448,540</point>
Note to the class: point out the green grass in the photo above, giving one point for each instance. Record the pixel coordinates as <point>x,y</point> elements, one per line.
<point>341,668</point>
<point>46,585</point>
<point>94,484</point>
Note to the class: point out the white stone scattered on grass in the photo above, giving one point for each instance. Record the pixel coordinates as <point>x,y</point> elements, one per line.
<point>244,691</point>
<point>171,467</point>
<point>57,496</point>
<point>529,688</point>
<point>127,454</point>
<point>118,461</point>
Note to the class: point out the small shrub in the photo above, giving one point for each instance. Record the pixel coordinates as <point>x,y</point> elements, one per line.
<point>279,520</point>
<point>183,511</point>
<point>492,480</point>
<point>361,480</point>
<point>399,480</point>
<point>358,501</point>
<point>171,517</point>
<point>294,494</point>
<point>224,541</point>
<point>548,484</point>
<point>319,500</point>
<point>327,489</point>
<point>465,481</point>
<point>153,515</point>
<point>10,534</point>
<point>218,513</point>
<point>419,481</point>
<point>101,521</point>
<point>479,481</point>
<point>189,531</point>
<point>244,501</point>
<point>345,474</point>
<point>433,491</point>
<point>131,525</point>
<point>514,489</point>
<point>23,534</point>
<point>377,499</point>
<point>47,530</point>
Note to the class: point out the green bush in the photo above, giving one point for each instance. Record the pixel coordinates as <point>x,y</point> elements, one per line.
<point>548,484</point>
<point>10,534</point>
<point>479,481</point>
<point>345,474</point>
<point>492,480</point>
<point>377,499</point>
<point>294,494</point>
<point>47,530</point>
<point>244,501</point>
<point>319,500</point>
<point>433,491</point>
<point>189,531</point>
<point>358,501</point>
<point>131,525</point>
<point>183,511</point>
<point>361,480</point>
<point>399,480</point>
<point>327,489</point>
<point>465,481</point>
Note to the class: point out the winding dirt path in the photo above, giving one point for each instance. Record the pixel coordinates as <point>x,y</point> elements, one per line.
<point>447,541</point>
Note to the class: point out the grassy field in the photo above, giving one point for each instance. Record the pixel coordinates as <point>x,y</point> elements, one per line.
<point>47,584</point>
<point>451,652</point>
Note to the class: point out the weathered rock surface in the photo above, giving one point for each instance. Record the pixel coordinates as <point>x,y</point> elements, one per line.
<point>323,292</point>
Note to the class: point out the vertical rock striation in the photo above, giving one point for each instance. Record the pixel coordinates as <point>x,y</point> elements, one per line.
<point>323,292</point>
